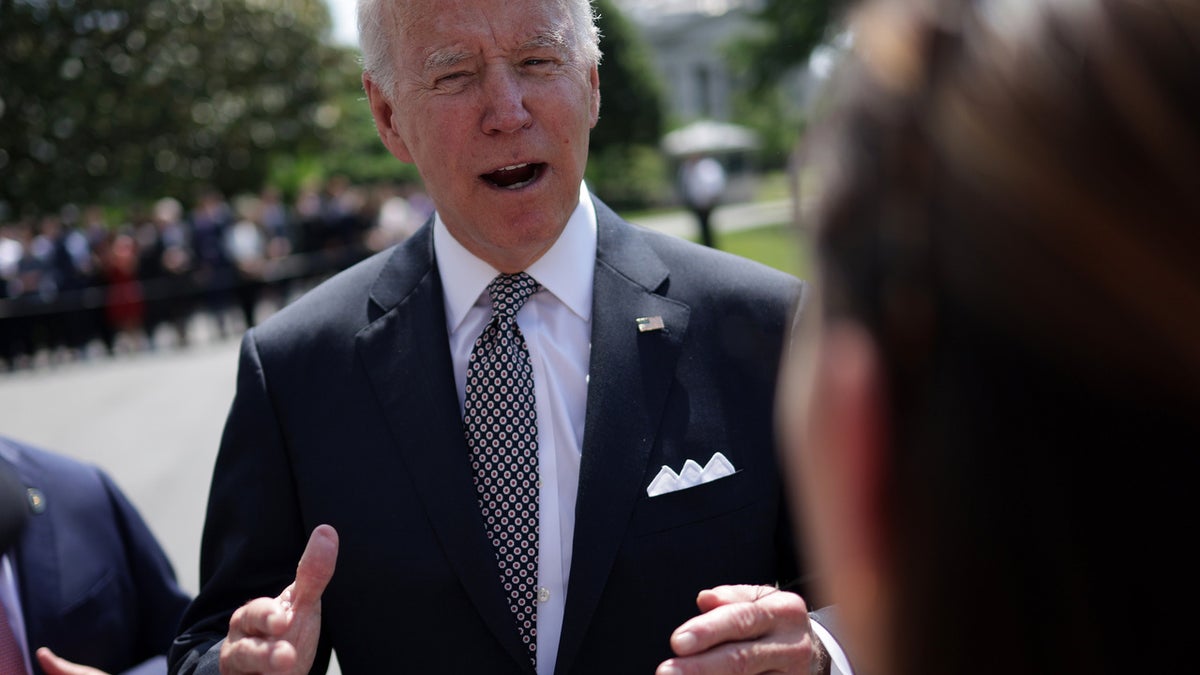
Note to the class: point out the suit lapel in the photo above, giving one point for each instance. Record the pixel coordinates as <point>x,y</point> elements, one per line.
<point>407,358</point>
<point>37,549</point>
<point>630,374</point>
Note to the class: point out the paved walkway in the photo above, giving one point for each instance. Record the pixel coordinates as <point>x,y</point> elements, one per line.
<point>726,218</point>
<point>152,420</point>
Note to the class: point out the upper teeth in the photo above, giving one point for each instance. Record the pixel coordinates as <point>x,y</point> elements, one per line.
<point>510,168</point>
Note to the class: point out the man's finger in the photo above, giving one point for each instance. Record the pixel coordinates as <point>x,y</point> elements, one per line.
<point>255,655</point>
<point>315,568</point>
<point>760,656</point>
<point>261,617</point>
<point>727,623</point>
<point>712,598</point>
<point>739,613</point>
<point>53,664</point>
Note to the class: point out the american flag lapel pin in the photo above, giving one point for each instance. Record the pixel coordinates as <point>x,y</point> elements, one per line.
<point>646,324</point>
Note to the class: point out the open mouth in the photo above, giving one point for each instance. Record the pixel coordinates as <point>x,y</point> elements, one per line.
<point>514,177</point>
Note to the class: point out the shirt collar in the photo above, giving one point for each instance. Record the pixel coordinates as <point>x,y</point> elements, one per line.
<point>558,270</point>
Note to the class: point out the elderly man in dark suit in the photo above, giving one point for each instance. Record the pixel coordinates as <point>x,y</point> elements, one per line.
<point>526,439</point>
<point>82,579</point>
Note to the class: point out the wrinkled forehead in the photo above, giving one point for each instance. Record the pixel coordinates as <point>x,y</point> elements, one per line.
<point>425,25</point>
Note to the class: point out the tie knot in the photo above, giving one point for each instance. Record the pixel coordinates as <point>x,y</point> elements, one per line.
<point>510,291</point>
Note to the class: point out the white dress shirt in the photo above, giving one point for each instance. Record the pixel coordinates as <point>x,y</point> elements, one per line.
<point>557,325</point>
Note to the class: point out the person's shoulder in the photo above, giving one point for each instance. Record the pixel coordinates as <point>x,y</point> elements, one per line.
<point>682,254</point>
<point>694,267</point>
<point>339,304</point>
<point>25,455</point>
<point>713,271</point>
<point>66,476</point>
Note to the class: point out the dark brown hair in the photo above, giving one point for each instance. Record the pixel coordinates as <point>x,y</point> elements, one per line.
<point>1010,203</point>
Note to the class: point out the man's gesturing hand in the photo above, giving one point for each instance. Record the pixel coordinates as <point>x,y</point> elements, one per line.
<point>744,630</point>
<point>278,636</point>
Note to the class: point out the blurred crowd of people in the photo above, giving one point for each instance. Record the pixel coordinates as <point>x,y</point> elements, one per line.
<point>85,280</point>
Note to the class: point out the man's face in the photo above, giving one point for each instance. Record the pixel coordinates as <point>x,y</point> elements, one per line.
<point>494,105</point>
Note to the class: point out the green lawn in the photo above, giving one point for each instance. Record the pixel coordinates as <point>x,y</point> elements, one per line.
<point>779,246</point>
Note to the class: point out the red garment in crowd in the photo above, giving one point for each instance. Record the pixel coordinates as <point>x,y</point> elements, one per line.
<point>124,304</point>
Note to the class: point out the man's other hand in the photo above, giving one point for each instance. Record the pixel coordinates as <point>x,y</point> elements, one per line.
<point>744,630</point>
<point>278,636</point>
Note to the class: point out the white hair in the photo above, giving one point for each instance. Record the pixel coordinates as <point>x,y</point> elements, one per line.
<point>378,31</point>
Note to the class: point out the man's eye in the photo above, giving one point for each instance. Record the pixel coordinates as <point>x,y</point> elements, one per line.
<point>447,79</point>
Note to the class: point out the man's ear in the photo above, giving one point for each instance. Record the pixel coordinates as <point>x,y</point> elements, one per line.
<point>594,77</point>
<point>384,115</point>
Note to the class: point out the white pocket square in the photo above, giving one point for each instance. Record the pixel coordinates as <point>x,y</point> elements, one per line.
<point>667,480</point>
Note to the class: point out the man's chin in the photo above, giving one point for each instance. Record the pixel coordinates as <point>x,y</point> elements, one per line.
<point>514,248</point>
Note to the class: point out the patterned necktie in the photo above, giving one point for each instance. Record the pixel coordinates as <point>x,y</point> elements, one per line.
<point>500,422</point>
<point>11,658</point>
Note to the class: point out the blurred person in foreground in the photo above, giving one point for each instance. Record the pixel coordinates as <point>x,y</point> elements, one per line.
<point>637,462</point>
<point>992,403</point>
<point>85,588</point>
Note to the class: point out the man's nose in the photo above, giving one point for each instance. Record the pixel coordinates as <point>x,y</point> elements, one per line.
<point>504,101</point>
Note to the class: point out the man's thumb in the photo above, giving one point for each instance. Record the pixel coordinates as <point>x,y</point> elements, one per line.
<point>316,566</point>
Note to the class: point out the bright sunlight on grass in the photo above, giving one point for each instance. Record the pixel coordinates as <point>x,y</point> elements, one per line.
<point>778,246</point>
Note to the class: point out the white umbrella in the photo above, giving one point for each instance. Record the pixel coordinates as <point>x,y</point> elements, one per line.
<point>709,137</point>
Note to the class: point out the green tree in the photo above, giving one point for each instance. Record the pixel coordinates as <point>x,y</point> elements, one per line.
<point>784,34</point>
<point>787,31</point>
<point>625,167</point>
<point>351,148</point>
<point>631,97</point>
<point>120,100</point>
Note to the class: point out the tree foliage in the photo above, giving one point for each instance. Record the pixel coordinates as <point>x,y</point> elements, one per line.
<point>118,101</point>
<point>625,167</point>
<point>132,99</point>
<point>631,97</point>
<point>350,147</point>
<point>784,35</point>
<point>789,30</point>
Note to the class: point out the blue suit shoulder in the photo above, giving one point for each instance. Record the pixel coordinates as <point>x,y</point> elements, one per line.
<point>79,485</point>
<point>96,586</point>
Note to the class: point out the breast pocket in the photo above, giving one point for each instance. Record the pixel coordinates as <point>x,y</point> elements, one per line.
<point>693,505</point>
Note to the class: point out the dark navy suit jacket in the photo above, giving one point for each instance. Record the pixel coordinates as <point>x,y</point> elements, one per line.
<point>95,585</point>
<point>346,413</point>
